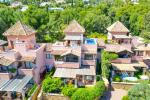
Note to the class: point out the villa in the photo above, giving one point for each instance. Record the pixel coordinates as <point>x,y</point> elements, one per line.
<point>24,62</point>
<point>74,57</point>
<point>21,62</point>
<point>133,53</point>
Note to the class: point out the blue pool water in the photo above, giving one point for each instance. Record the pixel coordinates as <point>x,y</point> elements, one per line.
<point>90,41</point>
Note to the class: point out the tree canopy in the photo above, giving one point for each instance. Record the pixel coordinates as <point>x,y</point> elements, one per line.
<point>94,17</point>
<point>139,92</point>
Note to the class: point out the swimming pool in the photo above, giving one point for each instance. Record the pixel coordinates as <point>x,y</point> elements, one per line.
<point>90,41</point>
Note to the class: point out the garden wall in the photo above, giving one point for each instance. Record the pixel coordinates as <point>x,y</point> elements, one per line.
<point>123,85</point>
<point>54,97</point>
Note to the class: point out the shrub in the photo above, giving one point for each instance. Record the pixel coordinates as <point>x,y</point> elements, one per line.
<point>68,90</point>
<point>106,62</point>
<point>32,90</point>
<point>139,92</point>
<point>89,93</point>
<point>52,85</point>
<point>117,79</point>
<point>99,88</point>
<point>50,74</point>
<point>82,94</point>
<point>13,70</point>
<point>125,98</point>
<point>97,77</point>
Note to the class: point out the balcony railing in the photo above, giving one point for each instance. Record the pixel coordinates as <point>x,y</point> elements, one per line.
<point>67,64</point>
<point>88,62</point>
<point>26,71</point>
<point>5,76</point>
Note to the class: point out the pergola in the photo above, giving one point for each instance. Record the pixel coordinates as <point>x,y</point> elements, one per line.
<point>17,84</point>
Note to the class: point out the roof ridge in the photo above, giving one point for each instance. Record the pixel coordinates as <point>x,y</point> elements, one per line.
<point>22,26</point>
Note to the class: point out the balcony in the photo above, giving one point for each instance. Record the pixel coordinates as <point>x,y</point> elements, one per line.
<point>122,60</point>
<point>137,58</point>
<point>26,71</point>
<point>8,73</point>
<point>88,62</point>
<point>61,64</point>
<point>5,76</point>
<point>89,48</point>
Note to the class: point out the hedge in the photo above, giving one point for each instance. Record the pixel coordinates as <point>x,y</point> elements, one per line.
<point>90,93</point>
<point>68,90</point>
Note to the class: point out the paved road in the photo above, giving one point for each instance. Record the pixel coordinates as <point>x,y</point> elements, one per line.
<point>117,94</point>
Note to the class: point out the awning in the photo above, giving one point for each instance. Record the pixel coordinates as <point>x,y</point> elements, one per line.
<point>123,67</point>
<point>16,84</point>
<point>72,38</point>
<point>121,50</point>
<point>71,73</point>
<point>121,36</point>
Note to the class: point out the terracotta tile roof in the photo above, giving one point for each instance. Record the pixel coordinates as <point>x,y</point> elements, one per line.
<point>72,51</point>
<point>136,41</point>
<point>74,27</point>
<point>58,52</point>
<point>6,62</point>
<point>27,58</point>
<point>129,67</point>
<point>123,67</point>
<point>2,42</point>
<point>118,48</point>
<point>48,47</point>
<point>101,42</point>
<point>19,29</point>
<point>117,27</point>
<point>143,47</point>
<point>72,73</point>
<point>122,60</point>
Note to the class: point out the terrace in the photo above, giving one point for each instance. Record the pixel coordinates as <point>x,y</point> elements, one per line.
<point>27,67</point>
<point>131,72</point>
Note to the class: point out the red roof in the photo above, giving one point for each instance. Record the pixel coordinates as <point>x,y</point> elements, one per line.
<point>74,27</point>
<point>117,27</point>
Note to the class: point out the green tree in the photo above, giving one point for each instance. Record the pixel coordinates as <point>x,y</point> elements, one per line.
<point>142,94</point>
<point>147,21</point>
<point>68,90</point>
<point>146,36</point>
<point>52,85</point>
<point>105,62</point>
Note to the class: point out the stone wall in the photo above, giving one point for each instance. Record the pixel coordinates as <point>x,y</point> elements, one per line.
<point>122,85</point>
<point>54,97</point>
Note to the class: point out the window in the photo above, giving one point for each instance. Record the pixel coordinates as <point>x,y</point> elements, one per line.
<point>88,57</point>
<point>71,58</point>
<point>48,56</point>
<point>58,58</point>
<point>140,53</point>
<point>29,65</point>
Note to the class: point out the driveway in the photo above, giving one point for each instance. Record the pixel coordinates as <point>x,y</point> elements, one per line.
<point>117,94</point>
